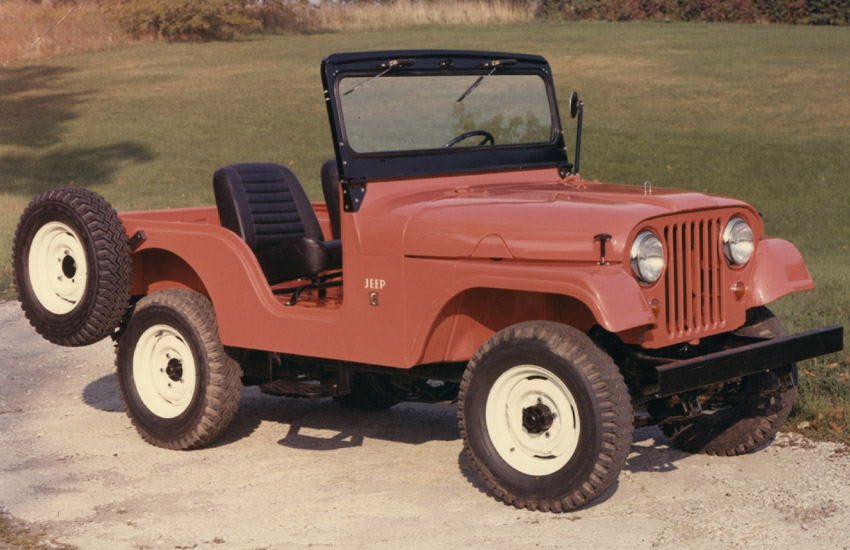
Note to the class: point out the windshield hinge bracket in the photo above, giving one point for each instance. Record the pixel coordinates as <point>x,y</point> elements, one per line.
<point>353,191</point>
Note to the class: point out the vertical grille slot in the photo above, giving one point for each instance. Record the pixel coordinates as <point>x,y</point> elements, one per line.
<point>694,277</point>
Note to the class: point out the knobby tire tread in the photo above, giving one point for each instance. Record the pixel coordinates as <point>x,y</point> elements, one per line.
<point>112,272</point>
<point>614,406</point>
<point>747,433</point>
<point>224,388</point>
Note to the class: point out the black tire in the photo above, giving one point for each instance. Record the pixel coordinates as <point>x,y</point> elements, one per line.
<point>746,425</point>
<point>81,297</point>
<point>180,388</point>
<point>504,429</point>
<point>369,392</point>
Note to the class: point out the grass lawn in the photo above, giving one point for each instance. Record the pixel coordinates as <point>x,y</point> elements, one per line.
<point>757,112</point>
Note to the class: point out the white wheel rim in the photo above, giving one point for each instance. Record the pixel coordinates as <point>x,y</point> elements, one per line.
<point>164,371</point>
<point>548,450</point>
<point>57,268</point>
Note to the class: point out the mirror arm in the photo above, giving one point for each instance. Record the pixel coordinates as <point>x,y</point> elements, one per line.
<point>578,136</point>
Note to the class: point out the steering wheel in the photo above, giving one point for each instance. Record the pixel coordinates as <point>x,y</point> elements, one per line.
<point>487,137</point>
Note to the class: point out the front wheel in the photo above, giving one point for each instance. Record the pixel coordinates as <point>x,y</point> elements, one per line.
<point>180,388</point>
<point>743,415</point>
<point>545,416</point>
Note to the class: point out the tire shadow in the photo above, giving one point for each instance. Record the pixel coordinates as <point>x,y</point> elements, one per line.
<point>103,394</point>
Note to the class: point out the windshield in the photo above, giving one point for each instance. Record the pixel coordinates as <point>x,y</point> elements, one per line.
<point>409,113</point>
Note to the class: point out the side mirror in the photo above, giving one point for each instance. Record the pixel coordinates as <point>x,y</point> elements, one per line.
<point>573,105</point>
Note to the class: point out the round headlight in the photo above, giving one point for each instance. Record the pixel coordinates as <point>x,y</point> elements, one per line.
<point>647,257</point>
<point>738,241</point>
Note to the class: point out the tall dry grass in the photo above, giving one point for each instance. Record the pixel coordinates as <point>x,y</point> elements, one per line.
<point>335,16</point>
<point>87,28</point>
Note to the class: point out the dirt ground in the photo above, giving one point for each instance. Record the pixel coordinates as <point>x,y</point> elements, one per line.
<point>298,473</point>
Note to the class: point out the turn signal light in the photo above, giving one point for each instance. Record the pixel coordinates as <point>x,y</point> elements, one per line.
<point>655,306</point>
<point>739,289</point>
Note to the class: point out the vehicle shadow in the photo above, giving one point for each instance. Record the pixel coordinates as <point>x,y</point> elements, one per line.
<point>652,452</point>
<point>313,424</point>
<point>323,425</point>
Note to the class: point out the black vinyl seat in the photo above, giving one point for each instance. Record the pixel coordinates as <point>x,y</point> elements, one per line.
<point>330,189</point>
<point>265,204</point>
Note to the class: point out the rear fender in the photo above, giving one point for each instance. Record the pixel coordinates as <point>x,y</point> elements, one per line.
<point>157,269</point>
<point>206,258</point>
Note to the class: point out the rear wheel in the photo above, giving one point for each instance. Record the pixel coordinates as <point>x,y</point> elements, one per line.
<point>545,416</point>
<point>72,266</point>
<point>740,416</point>
<point>180,388</point>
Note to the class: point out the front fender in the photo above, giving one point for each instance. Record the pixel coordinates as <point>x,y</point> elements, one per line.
<point>609,292</point>
<point>606,293</point>
<point>780,270</point>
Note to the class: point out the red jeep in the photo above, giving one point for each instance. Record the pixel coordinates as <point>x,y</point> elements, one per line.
<point>458,256</point>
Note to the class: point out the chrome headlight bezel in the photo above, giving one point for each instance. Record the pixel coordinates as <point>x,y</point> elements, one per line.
<point>647,257</point>
<point>738,242</point>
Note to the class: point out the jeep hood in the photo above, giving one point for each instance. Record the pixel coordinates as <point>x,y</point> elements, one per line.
<point>552,222</point>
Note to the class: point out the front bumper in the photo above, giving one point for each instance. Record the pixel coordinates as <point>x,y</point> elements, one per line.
<point>675,377</point>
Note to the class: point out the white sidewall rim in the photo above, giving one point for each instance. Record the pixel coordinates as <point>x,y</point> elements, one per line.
<point>532,454</point>
<point>57,267</point>
<point>159,392</point>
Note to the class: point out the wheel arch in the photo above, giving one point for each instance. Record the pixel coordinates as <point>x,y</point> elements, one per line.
<point>494,296</point>
<point>204,257</point>
<point>158,269</point>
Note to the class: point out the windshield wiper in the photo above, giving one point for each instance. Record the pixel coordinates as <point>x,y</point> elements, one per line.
<point>388,66</point>
<point>496,63</point>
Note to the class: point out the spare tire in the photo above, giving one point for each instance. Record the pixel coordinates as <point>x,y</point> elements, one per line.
<point>72,266</point>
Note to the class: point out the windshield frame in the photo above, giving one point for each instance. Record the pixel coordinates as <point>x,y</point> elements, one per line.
<point>361,167</point>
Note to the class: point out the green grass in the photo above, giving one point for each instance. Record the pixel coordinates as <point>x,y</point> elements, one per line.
<point>757,112</point>
<point>14,535</point>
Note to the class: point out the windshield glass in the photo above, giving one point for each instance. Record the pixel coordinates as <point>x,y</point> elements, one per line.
<point>409,113</point>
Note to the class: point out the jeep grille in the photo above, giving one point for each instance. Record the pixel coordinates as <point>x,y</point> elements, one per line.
<point>695,276</point>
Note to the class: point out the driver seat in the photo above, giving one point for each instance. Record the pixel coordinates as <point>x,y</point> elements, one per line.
<point>265,205</point>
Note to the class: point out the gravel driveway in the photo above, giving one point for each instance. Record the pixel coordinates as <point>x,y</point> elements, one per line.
<point>296,473</point>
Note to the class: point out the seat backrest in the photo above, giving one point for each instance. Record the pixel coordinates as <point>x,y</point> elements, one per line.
<point>330,188</point>
<point>264,203</point>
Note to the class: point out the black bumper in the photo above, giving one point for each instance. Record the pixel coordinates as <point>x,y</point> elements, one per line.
<point>690,374</point>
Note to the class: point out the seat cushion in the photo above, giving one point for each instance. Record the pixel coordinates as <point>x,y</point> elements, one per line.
<point>266,205</point>
<point>300,257</point>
